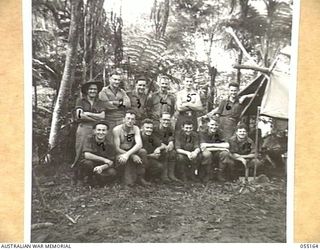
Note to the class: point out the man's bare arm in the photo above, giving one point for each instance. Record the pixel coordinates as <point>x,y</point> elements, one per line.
<point>182,151</point>
<point>237,156</point>
<point>100,115</point>
<point>93,157</point>
<point>81,116</point>
<point>216,145</point>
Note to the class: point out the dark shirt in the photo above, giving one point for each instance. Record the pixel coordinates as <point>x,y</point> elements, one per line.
<point>138,104</point>
<point>157,104</point>
<point>230,109</point>
<point>166,135</point>
<point>187,142</point>
<point>83,103</point>
<point>242,148</point>
<point>104,149</point>
<point>217,137</point>
<point>150,143</point>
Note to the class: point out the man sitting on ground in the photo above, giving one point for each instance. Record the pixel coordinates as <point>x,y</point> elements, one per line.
<point>242,150</point>
<point>188,151</point>
<point>98,155</point>
<point>152,150</point>
<point>127,142</point>
<point>214,150</point>
<point>165,132</point>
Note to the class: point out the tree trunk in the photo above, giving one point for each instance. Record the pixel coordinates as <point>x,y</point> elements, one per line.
<point>239,71</point>
<point>213,73</point>
<point>85,48</point>
<point>160,16</point>
<point>66,81</point>
<point>92,16</point>
<point>165,17</point>
<point>35,97</point>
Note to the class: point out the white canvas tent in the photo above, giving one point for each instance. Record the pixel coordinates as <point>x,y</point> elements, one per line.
<point>271,93</point>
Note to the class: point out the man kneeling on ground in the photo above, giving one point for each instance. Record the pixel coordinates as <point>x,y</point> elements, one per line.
<point>153,151</point>
<point>242,150</point>
<point>188,151</point>
<point>127,142</point>
<point>97,157</point>
<point>214,150</point>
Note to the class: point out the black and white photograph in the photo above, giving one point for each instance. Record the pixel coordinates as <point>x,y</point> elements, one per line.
<point>162,121</point>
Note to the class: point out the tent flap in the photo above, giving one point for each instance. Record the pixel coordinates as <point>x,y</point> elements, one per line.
<point>275,100</point>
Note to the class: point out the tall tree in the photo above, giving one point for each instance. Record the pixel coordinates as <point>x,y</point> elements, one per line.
<point>160,16</point>
<point>91,24</point>
<point>68,73</point>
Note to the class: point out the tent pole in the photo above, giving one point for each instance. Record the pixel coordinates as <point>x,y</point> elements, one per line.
<point>256,145</point>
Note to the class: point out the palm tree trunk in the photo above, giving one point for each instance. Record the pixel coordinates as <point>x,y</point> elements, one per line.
<point>69,68</point>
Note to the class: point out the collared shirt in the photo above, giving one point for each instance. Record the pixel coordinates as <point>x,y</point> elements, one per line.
<point>138,104</point>
<point>166,135</point>
<point>187,142</point>
<point>241,147</point>
<point>159,103</point>
<point>230,109</point>
<point>207,137</point>
<point>104,149</point>
<point>107,95</point>
<point>150,143</point>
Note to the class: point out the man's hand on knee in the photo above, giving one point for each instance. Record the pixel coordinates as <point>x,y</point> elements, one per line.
<point>123,158</point>
<point>136,159</point>
<point>99,169</point>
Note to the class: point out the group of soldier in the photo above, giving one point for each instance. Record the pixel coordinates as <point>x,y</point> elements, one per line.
<point>143,138</point>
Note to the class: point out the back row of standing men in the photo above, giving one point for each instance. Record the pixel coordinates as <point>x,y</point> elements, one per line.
<point>158,149</point>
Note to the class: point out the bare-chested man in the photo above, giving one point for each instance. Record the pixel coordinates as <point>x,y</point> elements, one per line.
<point>127,142</point>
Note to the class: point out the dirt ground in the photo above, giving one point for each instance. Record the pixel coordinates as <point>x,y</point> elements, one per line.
<point>193,212</point>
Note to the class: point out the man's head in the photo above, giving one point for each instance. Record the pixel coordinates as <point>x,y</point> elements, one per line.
<point>213,126</point>
<point>187,127</point>
<point>147,127</point>
<point>129,118</point>
<point>164,84</point>
<point>92,90</point>
<point>233,90</point>
<point>188,81</point>
<point>100,130</point>
<point>115,79</point>
<point>242,131</point>
<point>141,84</point>
<point>165,120</point>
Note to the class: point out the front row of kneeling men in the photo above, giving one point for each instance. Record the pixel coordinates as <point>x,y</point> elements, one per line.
<point>137,156</point>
